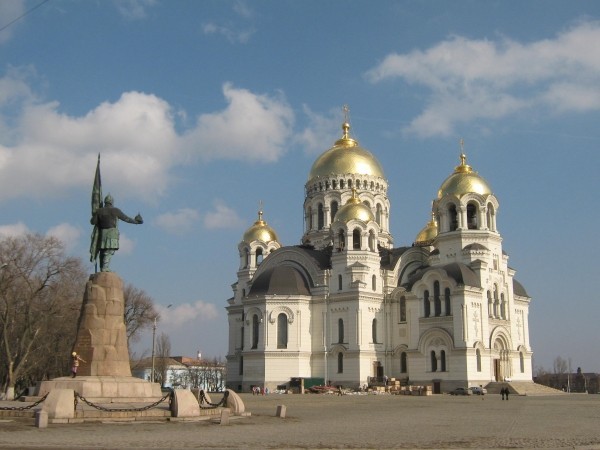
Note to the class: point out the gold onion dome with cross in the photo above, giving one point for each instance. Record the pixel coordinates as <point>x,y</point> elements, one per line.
<point>354,209</point>
<point>464,180</point>
<point>346,157</point>
<point>260,231</point>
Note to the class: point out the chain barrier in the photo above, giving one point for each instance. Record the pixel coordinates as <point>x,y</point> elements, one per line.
<point>23,408</point>
<point>168,396</point>
<point>203,400</point>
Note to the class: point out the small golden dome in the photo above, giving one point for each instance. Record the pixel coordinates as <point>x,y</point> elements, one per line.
<point>346,156</point>
<point>464,180</point>
<point>260,231</point>
<point>354,209</point>
<point>428,233</point>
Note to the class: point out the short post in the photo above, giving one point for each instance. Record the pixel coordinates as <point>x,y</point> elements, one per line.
<point>41,418</point>
<point>224,417</point>
<point>280,411</point>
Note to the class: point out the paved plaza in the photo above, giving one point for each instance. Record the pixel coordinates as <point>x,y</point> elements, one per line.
<point>350,421</point>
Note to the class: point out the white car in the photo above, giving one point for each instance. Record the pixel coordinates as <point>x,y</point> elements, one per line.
<point>478,390</point>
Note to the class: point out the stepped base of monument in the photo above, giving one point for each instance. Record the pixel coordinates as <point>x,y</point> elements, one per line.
<point>106,389</point>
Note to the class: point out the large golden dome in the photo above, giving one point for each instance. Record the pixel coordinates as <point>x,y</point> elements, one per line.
<point>346,156</point>
<point>354,209</point>
<point>260,231</point>
<point>464,180</point>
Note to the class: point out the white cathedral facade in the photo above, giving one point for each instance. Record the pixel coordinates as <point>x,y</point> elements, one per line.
<point>346,305</point>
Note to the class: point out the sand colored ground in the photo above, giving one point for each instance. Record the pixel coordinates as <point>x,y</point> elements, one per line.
<point>373,421</point>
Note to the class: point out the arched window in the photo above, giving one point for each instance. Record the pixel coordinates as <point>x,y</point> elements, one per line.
<point>452,216</point>
<point>443,360</point>
<point>522,362</point>
<point>340,362</point>
<point>334,184</point>
<point>437,302</point>
<point>403,365</point>
<point>246,258</point>
<point>426,305</point>
<point>502,306</point>
<point>259,256</point>
<point>255,330</point>
<point>349,184</point>
<point>340,331</point>
<point>447,302</point>
<point>320,217</point>
<point>374,282</point>
<point>433,361</point>
<point>339,282</point>
<point>496,302</point>
<point>342,240</point>
<point>374,331</point>
<point>471,216</point>
<point>310,218</point>
<point>378,214</point>
<point>478,356</point>
<point>356,239</point>
<point>341,184</point>
<point>243,293</point>
<point>242,336</point>
<point>282,331</point>
<point>402,309</point>
<point>241,365</point>
<point>334,210</point>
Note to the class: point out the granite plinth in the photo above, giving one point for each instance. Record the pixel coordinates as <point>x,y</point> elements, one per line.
<point>106,389</point>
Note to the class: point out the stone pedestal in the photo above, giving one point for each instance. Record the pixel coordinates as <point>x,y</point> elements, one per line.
<point>101,334</point>
<point>105,376</point>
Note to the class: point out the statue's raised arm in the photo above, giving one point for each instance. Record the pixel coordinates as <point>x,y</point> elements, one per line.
<point>106,231</point>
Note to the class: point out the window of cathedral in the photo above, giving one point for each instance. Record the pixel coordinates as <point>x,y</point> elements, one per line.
<point>282,331</point>
<point>403,364</point>
<point>327,185</point>
<point>341,240</point>
<point>334,209</point>
<point>241,365</point>
<point>443,360</point>
<point>341,184</point>
<point>433,361</point>
<point>259,256</point>
<point>339,282</point>
<point>402,309</point>
<point>310,218</point>
<point>378,214</point>
<point>242,336</point>
<point>320,217</point>
<point>437,302</point>
<point>334,184</point>
<point>426,305</point>
<point>447,302</point>
<point>349,184</point>
<point>255,330</point>
<point>340,362</point>
<point>340,331</point>
<point>472,216</point>
<point>478,357</point>
<point>372,186</point>
<point>356,239</point>
<point>453,217</point>
<point>374,282</point>
<point>374,331</point>
<point>490,304</point>
<point>496,302</point>
<point>246,258</point>
<point>502,307</point>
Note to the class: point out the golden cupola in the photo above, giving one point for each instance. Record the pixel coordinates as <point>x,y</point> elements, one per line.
<point>464,180</point>
<point>260,231</point>
<point>354,209</point>
<point>428,233</point>
<point>345,157</point>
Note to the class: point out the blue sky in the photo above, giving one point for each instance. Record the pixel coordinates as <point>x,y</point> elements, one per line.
<point>202,109</point>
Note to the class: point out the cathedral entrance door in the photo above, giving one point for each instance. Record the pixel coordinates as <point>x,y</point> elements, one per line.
<point>497,369</point>
<point>437,387</point>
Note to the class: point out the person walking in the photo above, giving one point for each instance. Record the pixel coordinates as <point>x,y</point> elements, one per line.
<point>506,392</point>
<point>75,358</point>
<point>502,393</point>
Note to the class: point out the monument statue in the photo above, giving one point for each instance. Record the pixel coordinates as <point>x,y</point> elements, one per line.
<point>105,218</point>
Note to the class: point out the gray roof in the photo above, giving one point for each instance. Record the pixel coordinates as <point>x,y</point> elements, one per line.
<point>460,272</point>
<point>280,280</point>
<point>518,289</point>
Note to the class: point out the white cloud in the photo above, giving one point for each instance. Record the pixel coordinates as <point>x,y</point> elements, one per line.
<point>471,79</point>
<point>253,128</point>
<point>178,222</point>
<point>13,230</point>
<point>321,130</point>
<point>231,33</point>
<point>134,9</point>
<point>66,233</point>
<point>222,217</point>
<point>198,311</point>
<point>10,11</point>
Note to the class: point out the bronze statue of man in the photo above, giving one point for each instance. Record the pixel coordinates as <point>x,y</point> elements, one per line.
<point>105,220</point>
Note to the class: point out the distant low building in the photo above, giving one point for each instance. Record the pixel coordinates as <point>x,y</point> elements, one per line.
<point>183,372</point>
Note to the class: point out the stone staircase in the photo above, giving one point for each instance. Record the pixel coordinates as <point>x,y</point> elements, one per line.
<point>522,388</point>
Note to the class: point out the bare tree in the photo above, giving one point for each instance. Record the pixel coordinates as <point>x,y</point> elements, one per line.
<point>163,352</point>
<point>40,294</point>
<point>139,311</point>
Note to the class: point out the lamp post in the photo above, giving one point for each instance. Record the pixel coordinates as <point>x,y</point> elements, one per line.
<point>153,346</point>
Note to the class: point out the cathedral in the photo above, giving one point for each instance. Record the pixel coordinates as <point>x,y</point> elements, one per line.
<point>348,307</point>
